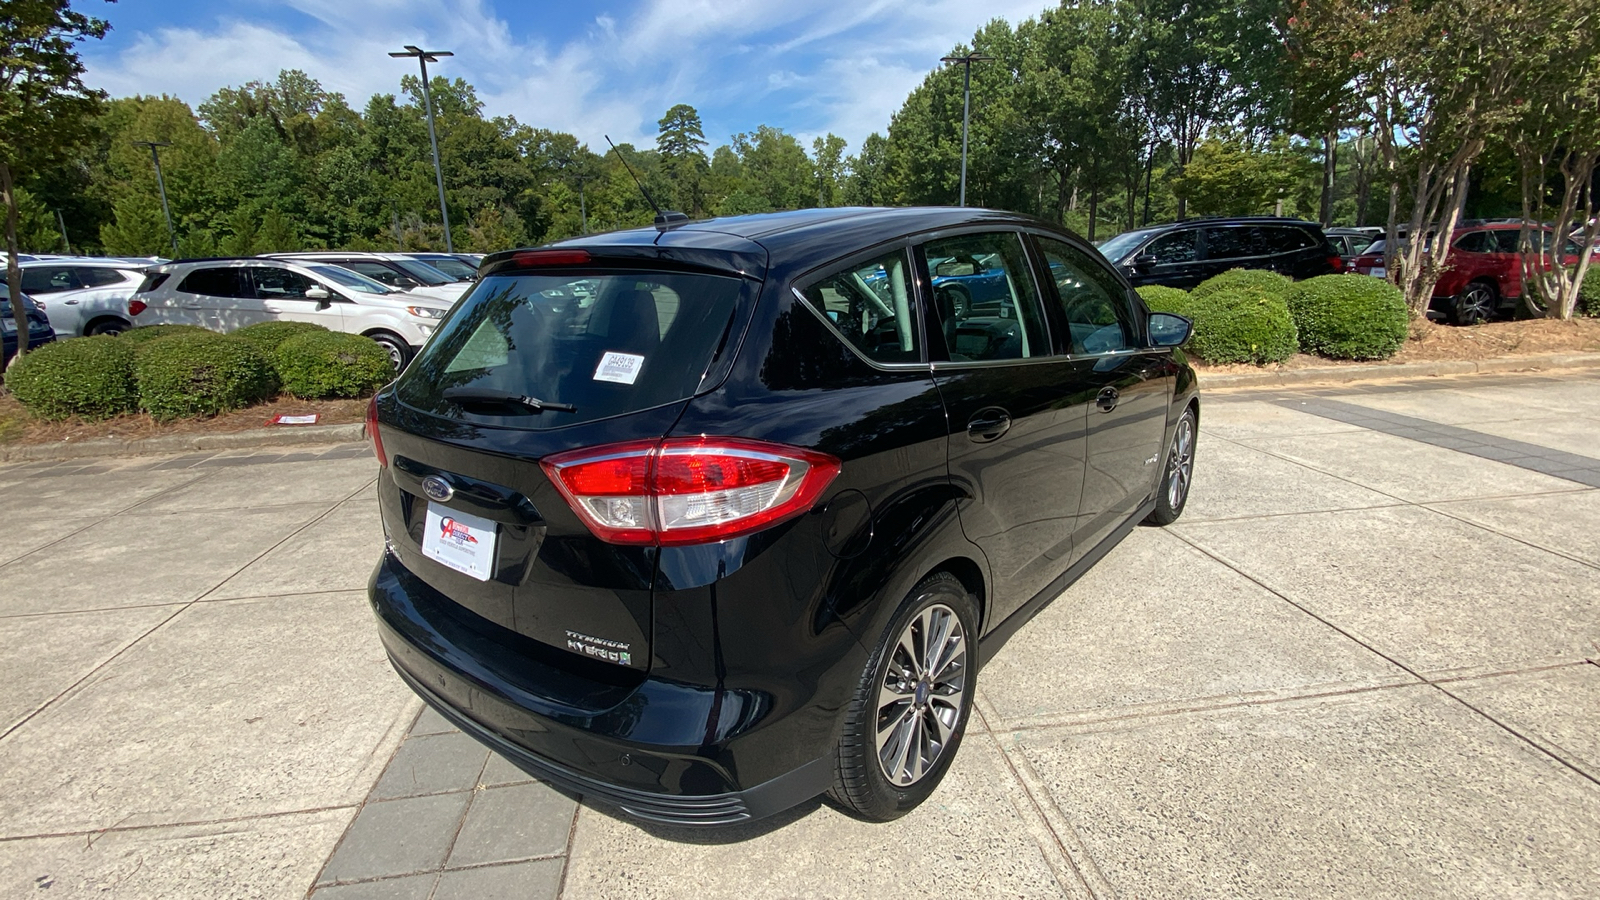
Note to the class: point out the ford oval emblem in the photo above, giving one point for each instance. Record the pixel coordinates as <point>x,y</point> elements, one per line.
<point>437,488</point>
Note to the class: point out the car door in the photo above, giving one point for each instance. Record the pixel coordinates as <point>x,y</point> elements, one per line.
<point>1015,418</point>
<point>281,294</point>
<point>207,297</point>
<point>53,287</point>
<point>1128,384</point>
<point>1172,260</point>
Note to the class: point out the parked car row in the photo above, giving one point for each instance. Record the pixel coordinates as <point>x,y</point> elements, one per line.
<point>97,295</point>
<point>1183,254</point>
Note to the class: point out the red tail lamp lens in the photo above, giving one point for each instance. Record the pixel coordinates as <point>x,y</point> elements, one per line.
<point>551,258</point>
<point>136,306</point>
<point>372,433</point>
<point>689,490</point>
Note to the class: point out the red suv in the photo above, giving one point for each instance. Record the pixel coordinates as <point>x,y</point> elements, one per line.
<point>1483,273</point>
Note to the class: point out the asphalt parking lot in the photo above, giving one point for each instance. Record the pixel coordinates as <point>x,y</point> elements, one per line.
<point>1362,664</point>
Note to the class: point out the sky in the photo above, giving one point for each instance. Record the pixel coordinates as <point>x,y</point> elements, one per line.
<point>589,68</point>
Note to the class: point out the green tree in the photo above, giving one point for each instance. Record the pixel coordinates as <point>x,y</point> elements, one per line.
<point>866,184</point>
<point>492,229</point>
<point>137,228</point>
<point>681,141</point>
<point>777,174</point>
<point>1228,177</point>
<point>45,108</point>
<point>827,159</point>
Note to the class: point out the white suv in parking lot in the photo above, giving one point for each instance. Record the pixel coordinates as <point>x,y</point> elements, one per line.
<point>225,294</point>
<point>82,296</point>
<point>397,270</point>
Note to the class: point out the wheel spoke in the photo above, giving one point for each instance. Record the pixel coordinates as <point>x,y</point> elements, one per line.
<point>937,712</point>
<point>934,661</point>
<point>905,736</point>
<point>921,697</point>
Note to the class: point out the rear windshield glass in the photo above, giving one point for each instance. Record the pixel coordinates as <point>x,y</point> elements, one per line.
<point>606,344</point>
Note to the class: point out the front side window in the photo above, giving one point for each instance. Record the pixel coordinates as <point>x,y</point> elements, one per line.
<point>218,282</point>
<point>988,307</point>
<point>870,304</point>
<point>379,272</point>
<point>1093,303</point>
<point>48,280</point>
<point>277,284</point>
<point>1177,247</point>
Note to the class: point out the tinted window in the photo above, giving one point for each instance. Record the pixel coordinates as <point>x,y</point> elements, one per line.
<point>870,304</point>
<point>1287,240</point>
<point>636,340</point>
<point>272,283</point>
<point>379,272</point>
<point>1177,247</point>
<point>1504,241</point>
<point>1476,242</point>
<point>48,280</point>
<point>215,283</point>
<point>1116,248</point>
<point>100,277</point>
<point>1231,243</point>
<point>985,298</point>
<point>423,272</point>
<point>1093,302</point>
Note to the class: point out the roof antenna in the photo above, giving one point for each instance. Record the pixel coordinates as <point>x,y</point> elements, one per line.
<point>664,220</point>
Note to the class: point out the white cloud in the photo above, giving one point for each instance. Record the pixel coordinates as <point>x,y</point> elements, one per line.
<point>808,66</point>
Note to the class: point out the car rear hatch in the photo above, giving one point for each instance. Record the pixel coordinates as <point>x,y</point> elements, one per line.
<point>554,352</point>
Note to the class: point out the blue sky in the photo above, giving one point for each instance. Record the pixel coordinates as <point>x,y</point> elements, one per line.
<point>588,68</point>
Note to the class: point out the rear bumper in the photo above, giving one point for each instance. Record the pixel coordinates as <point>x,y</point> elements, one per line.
<point>645,753</point>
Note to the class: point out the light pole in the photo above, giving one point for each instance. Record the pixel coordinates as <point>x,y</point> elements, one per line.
<point>966,106</point>
<point>423,58</point>
<point>161,184</point>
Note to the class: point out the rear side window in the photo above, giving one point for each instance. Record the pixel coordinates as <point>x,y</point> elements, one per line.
<point>48,280</point>
<point>99,277</point>
<point>607,344</point>
<point>1288,240</point>
<point>1232,243</point>
<point>1476,242</point>
<point>215,283</point>
<point>870,304</point>
<point>152,280</point>
<point>985,297</point>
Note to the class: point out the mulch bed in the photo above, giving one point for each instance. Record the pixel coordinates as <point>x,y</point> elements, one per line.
<point>1430,342</point>
<point>17,427</point>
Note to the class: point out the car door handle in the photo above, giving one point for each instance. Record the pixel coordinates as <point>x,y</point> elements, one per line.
<point>988,424</point>
<point>71,302</point>
<point>1107,401</point>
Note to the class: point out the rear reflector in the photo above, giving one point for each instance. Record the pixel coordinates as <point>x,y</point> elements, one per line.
<point>688,490</point>
<point>372,433</point>
<point>551,258</point>
<point>136,306</point>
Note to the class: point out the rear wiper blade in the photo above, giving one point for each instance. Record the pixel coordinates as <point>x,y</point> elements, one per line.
<point>462,396</point>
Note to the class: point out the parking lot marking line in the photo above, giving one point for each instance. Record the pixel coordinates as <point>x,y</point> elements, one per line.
<point>1438,686</point>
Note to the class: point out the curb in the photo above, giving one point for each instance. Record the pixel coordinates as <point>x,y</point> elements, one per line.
<point>1397,371</point>
<point>187,443</point>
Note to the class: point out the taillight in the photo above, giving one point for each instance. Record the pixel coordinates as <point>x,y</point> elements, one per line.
<point>1337,262</point>
<point>372,432</point>
<point>551,258</point>
<point>136,306</point>
<point>688,490</point>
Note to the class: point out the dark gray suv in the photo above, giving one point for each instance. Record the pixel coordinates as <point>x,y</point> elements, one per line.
<point>1183,254</point>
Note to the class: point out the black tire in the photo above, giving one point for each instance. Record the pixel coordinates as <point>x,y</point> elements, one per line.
<point>106,326</point>
<point>922,718</point>
<point>399,351</point>
<point>1478,303</point>
<point>1177,474</point>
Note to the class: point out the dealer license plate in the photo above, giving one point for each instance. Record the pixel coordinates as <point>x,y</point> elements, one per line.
<point>1380,272</point>
<point>460,541</point>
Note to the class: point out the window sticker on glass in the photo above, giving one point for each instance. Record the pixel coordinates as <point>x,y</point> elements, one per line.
<point>622,368</point>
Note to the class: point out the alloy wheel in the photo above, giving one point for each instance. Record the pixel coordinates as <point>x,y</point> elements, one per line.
<point>1182,465</point>
<point>1476,304</point>
<point>921,696</point>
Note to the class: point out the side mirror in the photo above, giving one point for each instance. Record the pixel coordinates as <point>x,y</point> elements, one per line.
<point>317,292</point>
<point>1144,261</point>
<point>1169,330</point>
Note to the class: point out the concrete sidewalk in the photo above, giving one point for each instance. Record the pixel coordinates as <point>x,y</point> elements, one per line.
<point>1359,666</point>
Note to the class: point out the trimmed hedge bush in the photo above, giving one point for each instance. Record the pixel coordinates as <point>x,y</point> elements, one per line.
<point>152,332</point>
<point>191,375</point>
<point>1589,293</point>
<point>1259,280</point>
<point>1164,299</point>
<point>89,377</point>
<point>320,365</point>
<point>1349,316</point>
<point>268,335</point>
<point>1239,325</point>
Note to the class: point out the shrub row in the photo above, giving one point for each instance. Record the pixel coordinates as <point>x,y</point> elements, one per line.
<point>1262,317</point>
<point>179,371</point>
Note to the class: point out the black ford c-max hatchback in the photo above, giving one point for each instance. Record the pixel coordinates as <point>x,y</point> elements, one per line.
<point>703,521</point>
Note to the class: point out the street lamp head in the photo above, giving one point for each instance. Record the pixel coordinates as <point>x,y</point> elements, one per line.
<point>969,58</point>
<point>413,50</point>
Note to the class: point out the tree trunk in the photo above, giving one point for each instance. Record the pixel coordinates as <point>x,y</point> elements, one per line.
<point>1330,168</point>
<point>19,314</point>
<point>1149,168</point>
<point>1094,204</point>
